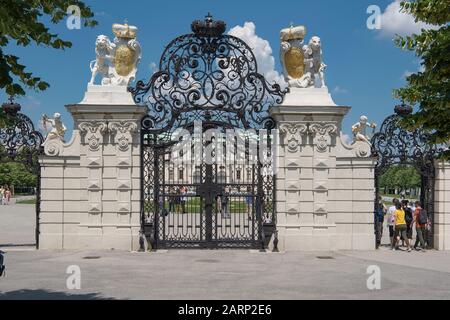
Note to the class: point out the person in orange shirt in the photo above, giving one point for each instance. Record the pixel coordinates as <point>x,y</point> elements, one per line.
<point>400,227</point>
<point>420,219</point>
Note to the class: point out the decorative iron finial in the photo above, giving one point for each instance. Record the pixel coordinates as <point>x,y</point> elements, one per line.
<point>403,110</point>
<point>11,108</point>
<point>209,18</point>
<point>208,27</point>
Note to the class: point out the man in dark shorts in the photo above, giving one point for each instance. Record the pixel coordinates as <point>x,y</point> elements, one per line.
<point>409,220</point>
<point>379,220</point>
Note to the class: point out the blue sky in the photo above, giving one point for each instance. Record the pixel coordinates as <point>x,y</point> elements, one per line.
<point>364,66</point>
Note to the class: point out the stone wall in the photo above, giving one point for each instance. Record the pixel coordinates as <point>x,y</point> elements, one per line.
<point>91,186</point>
<point>442,206</point>
<point>325,188</point>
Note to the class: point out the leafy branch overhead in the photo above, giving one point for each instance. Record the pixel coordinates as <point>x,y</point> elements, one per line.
<point>429,89</point>
<point>21,25</point>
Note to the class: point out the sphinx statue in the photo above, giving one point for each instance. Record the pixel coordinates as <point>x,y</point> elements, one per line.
<point>301,63</point>
<point>116,61</point>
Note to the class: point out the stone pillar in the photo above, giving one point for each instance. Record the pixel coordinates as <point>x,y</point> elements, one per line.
<point>314,165</point>
<point>98,174</point>
<point>442,206</point>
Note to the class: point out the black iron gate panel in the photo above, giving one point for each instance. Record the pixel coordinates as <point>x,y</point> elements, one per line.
<point>394,145</point>
<point>206,205</point>
<point>21,143</point>
<point>218,192</point>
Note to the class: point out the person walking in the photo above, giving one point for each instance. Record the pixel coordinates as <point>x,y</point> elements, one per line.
<point>2,265</point>
<point>218,200</point>
<point>2,194</point>
<point>7,196</point>
<point>428,233</point>
<point>390,221</point>
<point>172,196</point>
<point>177,198</point>
<point>224,204</point>
<point>249,203</point>
<point>183,199</point>
<point>409,219</point>
<point>420,219</point>
<point>379,220</point>
<point>400,227</point>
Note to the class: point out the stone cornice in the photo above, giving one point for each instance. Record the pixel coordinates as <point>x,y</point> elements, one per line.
<point>293,132</point>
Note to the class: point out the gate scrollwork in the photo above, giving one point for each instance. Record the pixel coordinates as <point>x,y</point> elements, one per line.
<point>395,145</point>
<point>21,143</point>
<point>210,78</point>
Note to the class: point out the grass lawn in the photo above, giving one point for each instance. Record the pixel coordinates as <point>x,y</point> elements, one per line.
<point>193,206</point>
<point>30,201</point>
<point>398,196</point>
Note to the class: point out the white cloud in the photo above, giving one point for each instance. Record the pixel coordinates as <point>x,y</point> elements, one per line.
<point>42,127</point>
<point>420,68</point>
<point>30,102</point>
<point>153,67</point>
<point>338,89</point>
<point>262,51</point>
<point>406,74</point>
<point>393,21</point>
<point>346,138</point>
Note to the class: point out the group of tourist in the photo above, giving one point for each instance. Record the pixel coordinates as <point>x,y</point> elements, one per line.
<point>401,219</point>
<point>5,195</point>
<point>222,204</point>
<point>178,200</point>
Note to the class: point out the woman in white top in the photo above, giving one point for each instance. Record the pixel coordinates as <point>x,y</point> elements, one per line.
<point>391,220</point>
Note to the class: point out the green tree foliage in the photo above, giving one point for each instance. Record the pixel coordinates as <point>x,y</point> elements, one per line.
<point>429,89</point>
<point>21,24</point>
<point>15,174</point>
<point>400,177</point>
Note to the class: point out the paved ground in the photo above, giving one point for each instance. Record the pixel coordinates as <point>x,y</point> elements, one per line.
<point>17,225</point>
<point>217,274</point>
<point>225,275</point>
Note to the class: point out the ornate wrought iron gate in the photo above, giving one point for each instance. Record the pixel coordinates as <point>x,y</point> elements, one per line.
<point>206,180</point>
<point>394,145</point>
<point>21,143</point>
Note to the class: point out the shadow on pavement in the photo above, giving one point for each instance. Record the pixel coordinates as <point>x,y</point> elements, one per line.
<point>41,294</point>
<point>9,245</point>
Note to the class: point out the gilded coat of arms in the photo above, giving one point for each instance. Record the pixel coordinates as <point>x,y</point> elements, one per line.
<point>117,61</point>
<point>302,64</point>
<point>295,66</point>
<point>292,55</point>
